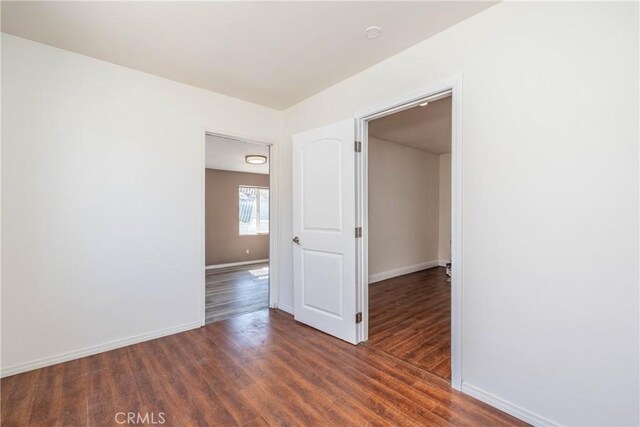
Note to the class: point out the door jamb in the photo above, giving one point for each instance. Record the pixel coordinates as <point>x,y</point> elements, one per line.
<point>412,99</point>
<point>274,213</point>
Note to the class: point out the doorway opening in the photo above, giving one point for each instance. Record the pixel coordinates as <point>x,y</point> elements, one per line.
<point>419,98</point>
<point>237,227</point>
<point>409,235</point>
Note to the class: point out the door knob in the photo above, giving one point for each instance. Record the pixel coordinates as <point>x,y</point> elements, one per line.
<point>296,240</point>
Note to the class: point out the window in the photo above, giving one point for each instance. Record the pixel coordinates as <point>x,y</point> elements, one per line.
<point>254,210</point>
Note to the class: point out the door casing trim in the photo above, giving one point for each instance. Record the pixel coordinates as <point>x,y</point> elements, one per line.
<point>432,92</point>
<point>274,212</point>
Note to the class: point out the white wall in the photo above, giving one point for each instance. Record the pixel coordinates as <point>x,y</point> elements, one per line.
<point>550,198</point>
<point>550,204</point>
<point>403,209</point>
<point>96,159</point>
<point>444,207</point>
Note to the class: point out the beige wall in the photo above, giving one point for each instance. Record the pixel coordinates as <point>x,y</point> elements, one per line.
<point>403,207</point>
<point>444,206</point>
<point>224,244</point>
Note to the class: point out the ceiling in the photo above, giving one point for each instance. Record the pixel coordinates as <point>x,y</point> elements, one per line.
<point>427,128</point>
<point>228,154</point>
<point>270,53</point>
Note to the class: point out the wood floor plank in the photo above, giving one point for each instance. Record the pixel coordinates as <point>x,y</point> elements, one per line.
<point>179,389</point>
<point>149,385</point>
<point>261,369</point>
<point>213,372</point>
<point>73,407</point>
<point>234,291</point>
<point>47,396</point>
<point>364,375</point>
<point>453,405</point>
<point>410,318</point>
<point>100,403</point>
<point>18,394</point>
<point>121,381</point>
<point>323,380</point>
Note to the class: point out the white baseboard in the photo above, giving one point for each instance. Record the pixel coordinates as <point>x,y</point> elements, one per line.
<point>377,277</point>
<point>443,262</point>
<point>505,406</point>
<point>89,351</point>
<point>285,308</point>
<point>236,264</point>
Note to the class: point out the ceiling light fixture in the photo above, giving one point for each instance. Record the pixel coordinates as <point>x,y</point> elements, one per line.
<point>373,32</point>
<point>255,159</point>
<point>424,104</point>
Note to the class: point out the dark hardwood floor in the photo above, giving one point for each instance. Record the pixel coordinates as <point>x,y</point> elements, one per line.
<point>257,369</point>
<point>410,318</point>
<point>233,291</point>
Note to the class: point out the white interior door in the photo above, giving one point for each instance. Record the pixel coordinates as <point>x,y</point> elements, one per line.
<point>324,214</point>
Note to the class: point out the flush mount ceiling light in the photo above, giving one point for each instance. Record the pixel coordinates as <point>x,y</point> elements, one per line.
<point>255,159</point>
<point>373,32</point>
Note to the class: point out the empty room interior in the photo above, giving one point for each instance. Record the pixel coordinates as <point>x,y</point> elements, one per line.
<point>236,227</point>
<point>309,213</point>
<point>409,181</point>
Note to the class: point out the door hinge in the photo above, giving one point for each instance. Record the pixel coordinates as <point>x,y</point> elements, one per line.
<point>358,317</point>
<point>358,146</point>
<point>358,232</point>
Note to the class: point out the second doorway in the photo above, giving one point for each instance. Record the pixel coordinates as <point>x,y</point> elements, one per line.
<point>237,223</point>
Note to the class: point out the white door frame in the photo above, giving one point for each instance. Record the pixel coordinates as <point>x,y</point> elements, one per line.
<point>412,99</point>
<point>274,213</point>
